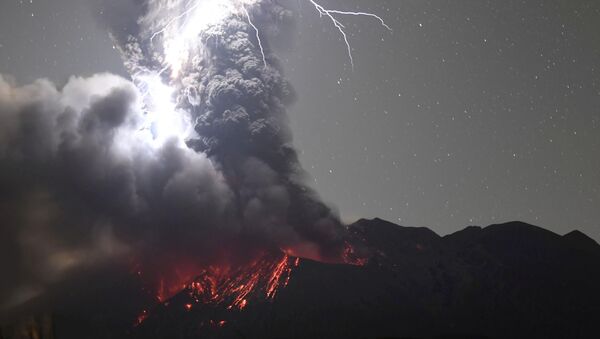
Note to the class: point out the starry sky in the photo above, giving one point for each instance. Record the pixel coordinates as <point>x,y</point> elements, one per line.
<point>468,113</point>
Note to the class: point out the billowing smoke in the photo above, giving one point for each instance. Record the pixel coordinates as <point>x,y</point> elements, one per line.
<point>227,82</point>
<point>189,162</point>
<point>80,184</point>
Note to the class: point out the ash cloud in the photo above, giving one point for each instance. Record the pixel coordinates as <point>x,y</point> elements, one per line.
<point>239,105</point>
<point>240,110</point>
<point>80,187</point>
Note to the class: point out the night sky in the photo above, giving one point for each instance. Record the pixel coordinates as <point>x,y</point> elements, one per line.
<point>468,113</point>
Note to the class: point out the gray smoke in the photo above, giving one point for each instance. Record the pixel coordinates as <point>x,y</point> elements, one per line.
<point>78,186</point>
<point>80,189</point>
<point>239,105</point>
<point>240,110</point>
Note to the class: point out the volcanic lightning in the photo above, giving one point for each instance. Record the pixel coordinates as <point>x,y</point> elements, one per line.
<point>176,40</point>
<point>199,16</point>
<point>187,171</point>
<point>260,45</point>
<point>340,27</point>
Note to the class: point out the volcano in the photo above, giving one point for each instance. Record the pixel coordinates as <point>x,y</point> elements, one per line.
<point>511,280</point>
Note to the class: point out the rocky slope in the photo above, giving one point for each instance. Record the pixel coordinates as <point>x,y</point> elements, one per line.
<point>502,281</point>
<point>511,280</point>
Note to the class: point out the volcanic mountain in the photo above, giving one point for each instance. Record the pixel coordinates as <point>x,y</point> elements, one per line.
<point>511,280</point>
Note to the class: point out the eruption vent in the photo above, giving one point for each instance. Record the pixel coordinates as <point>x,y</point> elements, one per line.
<point>185,175</point>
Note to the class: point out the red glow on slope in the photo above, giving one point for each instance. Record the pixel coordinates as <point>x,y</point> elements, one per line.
<point>350,253</point>
<point>231,283</point>
<point>140,319</point>
<point>279,277</point>
<point>351,257</point>
<point>233,287</point>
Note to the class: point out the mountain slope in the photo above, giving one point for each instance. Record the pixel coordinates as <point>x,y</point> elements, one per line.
<point>509,280</point>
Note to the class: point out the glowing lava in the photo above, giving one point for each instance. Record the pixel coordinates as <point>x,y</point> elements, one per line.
<point>228,286</point>
<point>350,256</point>
<point>140,319</point>
<point>235,287</point>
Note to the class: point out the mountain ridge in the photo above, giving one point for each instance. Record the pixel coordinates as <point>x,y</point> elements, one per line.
<point>509,280</point>
<point>505,280</point>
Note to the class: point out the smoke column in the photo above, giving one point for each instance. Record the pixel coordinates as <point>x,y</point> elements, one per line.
<point>231,87</point>
<point>188,164</point>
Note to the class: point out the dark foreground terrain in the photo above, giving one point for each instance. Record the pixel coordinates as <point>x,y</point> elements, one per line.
<point>511,280</point>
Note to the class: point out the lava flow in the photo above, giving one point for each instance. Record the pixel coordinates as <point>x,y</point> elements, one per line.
<point>233,287</point>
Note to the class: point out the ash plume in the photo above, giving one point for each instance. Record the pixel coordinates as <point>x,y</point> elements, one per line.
<point>86,179</point>
<point>79,187</point>
<point>237,104</point>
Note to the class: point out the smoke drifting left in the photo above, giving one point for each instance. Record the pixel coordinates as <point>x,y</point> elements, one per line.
<point>93,182</point>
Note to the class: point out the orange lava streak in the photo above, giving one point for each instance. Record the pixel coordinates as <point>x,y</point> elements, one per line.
<point>219,285</point>
<point>140,319</point>
<point>232,287</point>
<point>281,268</point>
<point>350,256</point>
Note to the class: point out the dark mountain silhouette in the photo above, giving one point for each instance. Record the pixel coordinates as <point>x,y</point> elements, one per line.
<point>511,280</point>
<point>582,242</point>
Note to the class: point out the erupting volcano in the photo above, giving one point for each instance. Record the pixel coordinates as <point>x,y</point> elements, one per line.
<point>231,287</point>
<point>209,80</point>
<point>234,287</point>
<point>171,202</point>
<point>185,176</point>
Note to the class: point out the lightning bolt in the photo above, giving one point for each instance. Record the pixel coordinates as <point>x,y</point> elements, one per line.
<point>231,6</point>
<point>262,51</point>
<point>363,14</point>
<point>340,27</point>
<point>186,12</point>
<point>180,38</point>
